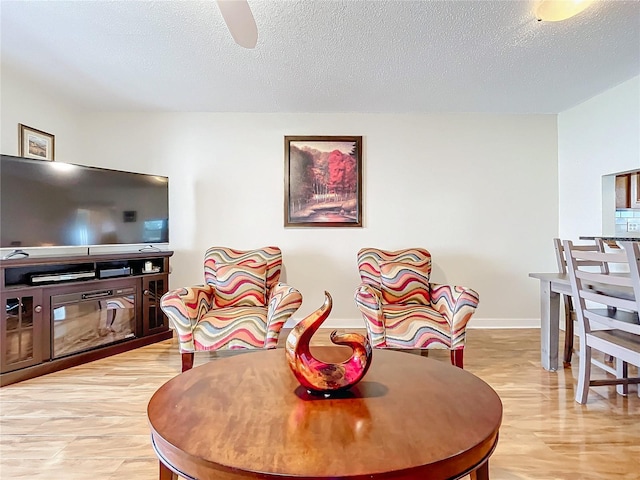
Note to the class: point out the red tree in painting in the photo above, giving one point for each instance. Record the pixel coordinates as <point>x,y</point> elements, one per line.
<point>342,173</point>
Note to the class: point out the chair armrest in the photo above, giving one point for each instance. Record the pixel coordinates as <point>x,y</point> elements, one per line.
<point>456,304</point>
<point>184,307</point>
<point>368,301</point>
<point>284,300</point>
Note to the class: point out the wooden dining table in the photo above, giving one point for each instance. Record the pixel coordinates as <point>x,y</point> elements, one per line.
<point>554,284</point>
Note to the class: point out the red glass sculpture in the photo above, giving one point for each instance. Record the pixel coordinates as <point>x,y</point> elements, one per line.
<point>320,378</point>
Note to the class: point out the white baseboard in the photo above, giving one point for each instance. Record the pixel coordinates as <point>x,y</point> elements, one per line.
<point>481,323</point>
<point>478,323</point>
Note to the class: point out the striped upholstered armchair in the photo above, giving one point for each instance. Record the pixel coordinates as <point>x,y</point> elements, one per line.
<point>241,305</point>
<point>403,310</point>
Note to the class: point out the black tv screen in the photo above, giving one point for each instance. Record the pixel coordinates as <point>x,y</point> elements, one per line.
<point>50,204</point>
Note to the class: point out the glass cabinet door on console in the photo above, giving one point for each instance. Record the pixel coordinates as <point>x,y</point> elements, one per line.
<point>153,287</point>
<point>20,329</point>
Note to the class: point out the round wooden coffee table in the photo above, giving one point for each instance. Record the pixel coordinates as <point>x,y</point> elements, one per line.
<point>246,416</point>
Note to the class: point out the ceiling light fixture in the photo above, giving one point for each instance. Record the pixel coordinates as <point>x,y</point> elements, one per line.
<point>557,10</point>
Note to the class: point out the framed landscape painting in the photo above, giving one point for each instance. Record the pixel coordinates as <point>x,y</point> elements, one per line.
<point>36,143</point>
<point>323,181</point>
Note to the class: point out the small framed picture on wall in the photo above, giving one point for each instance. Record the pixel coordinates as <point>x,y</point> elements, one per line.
<point>36,143</point>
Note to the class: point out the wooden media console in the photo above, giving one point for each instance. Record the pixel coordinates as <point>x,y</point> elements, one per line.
<point>64,311</point>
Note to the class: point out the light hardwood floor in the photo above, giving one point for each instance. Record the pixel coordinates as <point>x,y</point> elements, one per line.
<point>89,422</point>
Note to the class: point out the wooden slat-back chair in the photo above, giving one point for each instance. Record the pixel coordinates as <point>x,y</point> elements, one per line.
<point>618,297</point>
<point>569,310</point>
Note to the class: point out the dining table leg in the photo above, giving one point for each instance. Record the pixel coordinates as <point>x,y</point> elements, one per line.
<point>549,326</point>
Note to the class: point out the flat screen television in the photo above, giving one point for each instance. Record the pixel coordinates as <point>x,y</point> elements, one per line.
<point>54,204</point>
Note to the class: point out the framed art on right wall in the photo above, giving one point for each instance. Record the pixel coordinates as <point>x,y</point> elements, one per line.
<point>323,181</point>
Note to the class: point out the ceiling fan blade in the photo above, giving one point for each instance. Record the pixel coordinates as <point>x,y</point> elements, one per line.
<point>240,22</point>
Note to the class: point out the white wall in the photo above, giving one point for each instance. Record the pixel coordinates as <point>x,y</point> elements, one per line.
<point>25,101</point>
<point>479,191</point>
<point>598,137</point>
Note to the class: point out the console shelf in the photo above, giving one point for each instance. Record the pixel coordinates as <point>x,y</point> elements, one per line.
<point>121,288</point>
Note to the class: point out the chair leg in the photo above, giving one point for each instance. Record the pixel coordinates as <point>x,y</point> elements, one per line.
<point>584,374</point>
<point>568,339</point>
<point>622,371</point>
<point>456,357</point>
<point>187,361</point>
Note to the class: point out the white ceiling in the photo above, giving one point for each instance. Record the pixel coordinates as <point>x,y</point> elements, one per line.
<point>321,55</point>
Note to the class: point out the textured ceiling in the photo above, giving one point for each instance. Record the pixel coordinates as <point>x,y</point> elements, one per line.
<point>322,56</point>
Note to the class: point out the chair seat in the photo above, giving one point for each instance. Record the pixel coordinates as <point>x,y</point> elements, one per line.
<point>615,337</point>
<point>419,326</point>
<point>231,328</point>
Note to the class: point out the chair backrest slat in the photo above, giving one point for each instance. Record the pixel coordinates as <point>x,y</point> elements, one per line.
<point>608,300</point>
<point>633,256</point>
<point>561,260</point>
<point>608,278</point>
<point>559,249</point>
<point>603,290</point>
<point>598,257</point>
<point>630,326</point>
